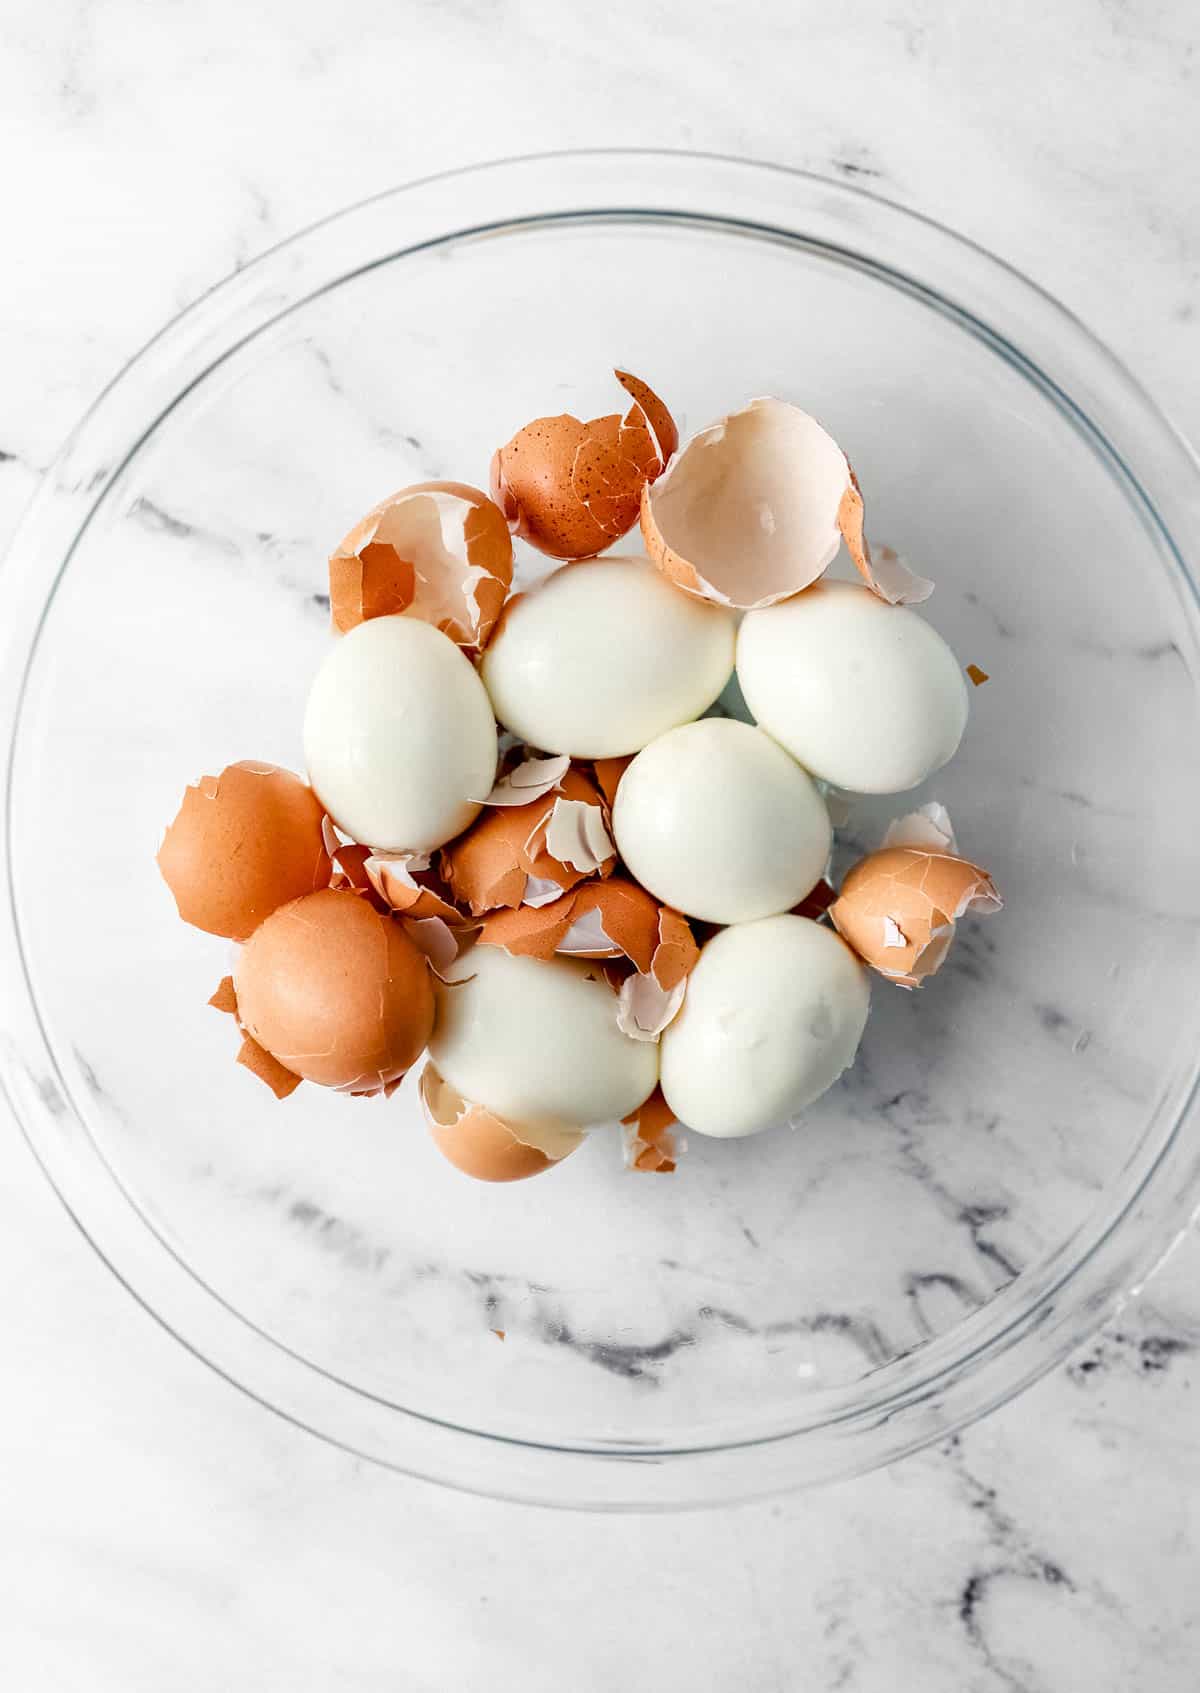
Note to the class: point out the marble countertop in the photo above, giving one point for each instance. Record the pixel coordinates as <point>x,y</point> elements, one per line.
<point>162,1532</point>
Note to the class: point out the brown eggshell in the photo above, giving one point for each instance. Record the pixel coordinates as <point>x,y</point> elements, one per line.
<point>898,909</point>
<point>491,864</point>
<point>816,901</point>
<point>650,1140</point>
<point>608,775</point>
<point>483,1145</point>
<point>753,510</point>
<point>225,999</point>
<point>572,488</point>
<point>255,1058</point>
<point>611,920</point>
<point>243,843</point>
<point>335,991</point>
<point>440,551</point>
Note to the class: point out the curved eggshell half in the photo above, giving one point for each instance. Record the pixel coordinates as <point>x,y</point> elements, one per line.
<point>898,909</point>
<point>244,843</point>
<point>439,551</point>
<point>571,488</point>
<point>336,991</point>
<point>483,1145</point>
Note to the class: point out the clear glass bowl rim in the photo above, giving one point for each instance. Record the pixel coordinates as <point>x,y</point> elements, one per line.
<point>926,1395</point>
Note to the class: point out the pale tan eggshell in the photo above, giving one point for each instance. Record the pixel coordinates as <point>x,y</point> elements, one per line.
<point>503,858</point>
<point>336,992</point>
<point>898,908</point>
<point>483,1145</point>
<point>650,1141</point>
<point>242,844</point>
<point>929,828</point>
<point>438,551</point>
<point>753,509</point>
<point>530,779</point>
<point>571,488</point>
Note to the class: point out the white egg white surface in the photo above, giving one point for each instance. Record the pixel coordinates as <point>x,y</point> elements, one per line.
<point>865,695</point>
<point>717,820</point>
<point>399,736</point>
<point>603,656</point>
<point>538,1043</point>
<point>774,1013</point>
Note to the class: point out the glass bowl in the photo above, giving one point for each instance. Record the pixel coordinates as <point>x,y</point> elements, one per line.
<point>1015,1147</point>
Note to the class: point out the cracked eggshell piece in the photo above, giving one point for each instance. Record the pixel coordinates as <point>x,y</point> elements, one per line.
<point>610,920</point>
<point>504,859</point>
<point>438,551</point>
<point>754,509</point>
<point>773,1016</point>
<point>898,908</point>
<point>649,1138</point>
<point>399,736</point>
<point>867,696</point>
<point>244,843</point>
<point>716,820</point>
<point>335,991</point>
<point>603,656</point>
<point>538,1043</point>
<point>483,1145</point>
<point>571,488</point>
<point>532,778</point>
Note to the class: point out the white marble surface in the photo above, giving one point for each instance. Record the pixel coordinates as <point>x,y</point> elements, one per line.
<point>162,1532</point>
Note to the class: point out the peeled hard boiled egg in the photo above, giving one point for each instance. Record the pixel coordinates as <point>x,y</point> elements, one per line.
<point>538,1043</point>
<point>719,822</point>
<point>866,695</point>
<point>399,736</point>
<point>773,1015</point>
<point>604,656</point>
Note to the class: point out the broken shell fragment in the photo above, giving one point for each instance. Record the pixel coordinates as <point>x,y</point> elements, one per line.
<point>898,908</point>
<point>572,488</point>
<point>650,1141</point>
<point>482,1144</point>
<point>505,858</point>
<point>336,992</point>
<point>255,1058</point>
<point>533,778</point>
<point>928,827</point>
<point>754,508</point>
<point>615,919</point>
<point>243,843</point>
<point>438,551</point>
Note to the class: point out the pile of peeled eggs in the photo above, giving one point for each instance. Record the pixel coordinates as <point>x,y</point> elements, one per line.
<point>533,845</point>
